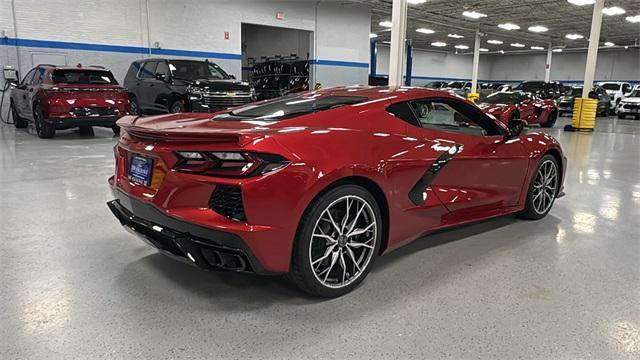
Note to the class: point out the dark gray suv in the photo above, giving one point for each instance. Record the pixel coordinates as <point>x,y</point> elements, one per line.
<point>176,85</point>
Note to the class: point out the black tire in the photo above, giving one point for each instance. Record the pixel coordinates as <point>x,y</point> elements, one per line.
<point>560,113</point>
<point>530,211</point>
<point>134,106</point>
<point>18,122</point>
<point>116,129</point>
<point>301,274</point>
<point>44,129</point>
<point>621,116</point>
<point>551,120</point>
<point>176,107</point>
<point>637,117</point>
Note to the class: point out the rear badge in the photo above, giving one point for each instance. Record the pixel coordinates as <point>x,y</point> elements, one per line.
<point>231,94</point>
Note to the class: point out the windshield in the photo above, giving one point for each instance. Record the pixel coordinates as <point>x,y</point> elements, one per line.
<point>531,86</point>
<point>611,86</point>
<point>290,106</point>
<point>196,70</point>
<point>502,98</point>
<point>577,91</point>
<point>456,84</point>
<point>83,77</point>
<point>634,93</point>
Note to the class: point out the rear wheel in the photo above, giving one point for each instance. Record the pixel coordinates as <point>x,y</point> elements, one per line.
<point>18,122</point>
<point>337,242</point>
<point>44,129</point>
<point>542,190</point>
<point>116,129</point>
<point>551,120</point>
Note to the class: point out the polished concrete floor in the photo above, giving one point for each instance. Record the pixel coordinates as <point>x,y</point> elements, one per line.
<point>74,285</point>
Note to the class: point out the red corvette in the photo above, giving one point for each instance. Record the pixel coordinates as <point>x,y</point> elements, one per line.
<point>512,105</point>
<point>318,184</point>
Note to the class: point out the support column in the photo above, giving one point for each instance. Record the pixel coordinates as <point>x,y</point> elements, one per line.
<point>373,61</point>
<point>407,76</point>
<point>592,53</point>
<point>547,70</point>
<point>398,33</point>
<point>476,64</point>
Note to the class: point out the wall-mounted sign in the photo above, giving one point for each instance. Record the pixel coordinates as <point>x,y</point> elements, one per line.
<point>226,35</point>
<point>280,15</point>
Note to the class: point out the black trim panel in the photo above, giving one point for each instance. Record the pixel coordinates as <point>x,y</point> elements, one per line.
<point>415,194</point>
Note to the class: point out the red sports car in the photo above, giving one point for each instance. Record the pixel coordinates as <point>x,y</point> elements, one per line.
<point>55,98</point>
<point>317,185</point>
<point>512,105</point>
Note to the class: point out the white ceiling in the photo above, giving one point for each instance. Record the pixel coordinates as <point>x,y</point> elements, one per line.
<point>559,16</point>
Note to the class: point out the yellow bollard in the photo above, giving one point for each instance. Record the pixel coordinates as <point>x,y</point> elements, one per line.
<point>584,114</point>
<point>473,97</point>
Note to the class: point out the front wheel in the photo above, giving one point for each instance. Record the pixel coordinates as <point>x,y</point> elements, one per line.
<point>337,242</point>
<point>176,107</point>
<point>543,189</point>
<point>621,116</point>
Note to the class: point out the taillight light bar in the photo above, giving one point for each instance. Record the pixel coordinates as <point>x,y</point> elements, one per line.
<point>228,164</point>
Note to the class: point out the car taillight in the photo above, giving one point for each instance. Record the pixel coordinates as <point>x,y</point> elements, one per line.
<point>228,164</point>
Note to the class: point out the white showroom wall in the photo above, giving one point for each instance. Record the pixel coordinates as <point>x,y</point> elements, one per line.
<point>114,33</point>
<point>567,67</point>
<point>435,65</point>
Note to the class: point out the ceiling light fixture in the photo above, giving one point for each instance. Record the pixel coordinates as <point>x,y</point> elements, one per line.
<point>501,51</point>
<point>537,48</point>
<point>614,10</point>
<point>483,50</point>
<point>439,44</point>
<point>633,19</point>
<point>538,29</point>
<point>495,42</point>
<point>574,36</point>
<point>609,43</point>
<point>461,47</point>
<point>509,26</point>
<point>385,23</point>
<point>474,14</point>
<point>557,50</point>
<point>582,2</point>
<point>518,45</point>
<point>373,36</point>
<point>416,2</point>
<point>455,36</point>
<point>425,31</point>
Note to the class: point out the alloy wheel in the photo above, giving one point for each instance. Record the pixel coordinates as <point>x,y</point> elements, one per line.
<point>545,186</point>
<point>343,241</point>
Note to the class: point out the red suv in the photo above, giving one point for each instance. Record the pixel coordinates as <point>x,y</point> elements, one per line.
<point>66,97</point>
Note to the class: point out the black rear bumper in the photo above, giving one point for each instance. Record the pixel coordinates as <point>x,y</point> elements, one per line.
<point>205,248</point>
<point>62,123</point>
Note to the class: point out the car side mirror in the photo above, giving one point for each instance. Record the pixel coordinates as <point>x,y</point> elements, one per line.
<point>515,127</point>
<point>160,76</point>
<point>232,76</point>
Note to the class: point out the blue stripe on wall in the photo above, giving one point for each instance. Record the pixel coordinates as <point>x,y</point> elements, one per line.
<point>50,44</point>
<point>339,63</point>
<point>435,78</point>
<point>114,48</point>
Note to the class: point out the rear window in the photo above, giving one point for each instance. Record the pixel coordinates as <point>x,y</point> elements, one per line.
<point>84,77</point>
<point>531,86</point>
<point>291,106</point>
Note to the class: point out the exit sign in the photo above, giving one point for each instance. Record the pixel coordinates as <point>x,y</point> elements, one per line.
<point>280,15</point>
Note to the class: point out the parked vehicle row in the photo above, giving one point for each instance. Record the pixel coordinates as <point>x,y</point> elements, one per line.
<point>61,97</point>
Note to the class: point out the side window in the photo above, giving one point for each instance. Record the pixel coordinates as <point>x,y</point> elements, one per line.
<point>162,68</point>
<point>148,69</point>
<point>442,115</point>
<point>38,76</point>
<point>403,112</point>
<point>626,88</point>
<point>27,78</point>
